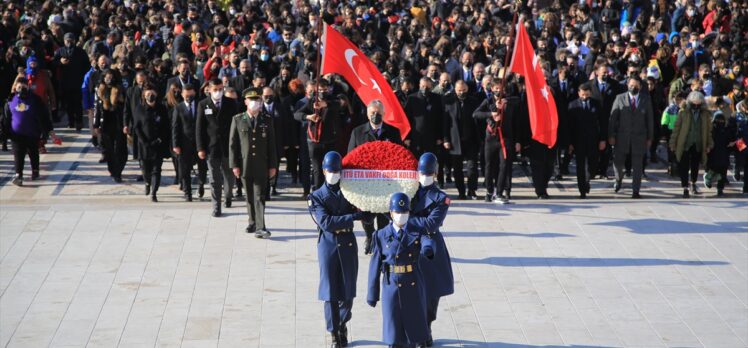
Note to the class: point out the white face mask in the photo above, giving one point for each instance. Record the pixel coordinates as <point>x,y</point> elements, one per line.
<point>255,106</point>
<point>216,95</point>
<point>425,180</point>
<point>400,218</point>
<point>332,178</point>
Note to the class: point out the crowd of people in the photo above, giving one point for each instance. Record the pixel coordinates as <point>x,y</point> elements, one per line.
<point>160,79</point>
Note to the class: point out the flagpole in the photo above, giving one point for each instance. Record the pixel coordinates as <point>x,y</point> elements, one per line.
<point>510,51</point>
<point>317,96</point>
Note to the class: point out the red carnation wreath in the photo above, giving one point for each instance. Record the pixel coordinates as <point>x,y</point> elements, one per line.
<point>374,171</point>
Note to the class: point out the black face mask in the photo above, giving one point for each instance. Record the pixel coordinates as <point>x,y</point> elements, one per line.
<point>190,98</point>
<point>23,92</point>
<point>151,98</point>
<point>462,96</point>
<point>634,90</point>
<point>376,118</point>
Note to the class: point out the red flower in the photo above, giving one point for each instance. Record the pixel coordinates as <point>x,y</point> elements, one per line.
<point>380,155</point>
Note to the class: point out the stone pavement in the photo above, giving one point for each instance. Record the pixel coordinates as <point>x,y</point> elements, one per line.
<point>87,262</point>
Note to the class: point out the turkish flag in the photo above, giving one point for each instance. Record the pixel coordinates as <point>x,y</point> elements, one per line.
<point>342,57</point>
<point>540,102</point>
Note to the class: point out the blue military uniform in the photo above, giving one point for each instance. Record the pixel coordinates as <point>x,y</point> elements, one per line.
<point>396,254</point>
<point>428,210</point>
<point>337,252</point>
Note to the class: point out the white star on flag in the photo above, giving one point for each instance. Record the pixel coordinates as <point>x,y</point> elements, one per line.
<point>544,92</point>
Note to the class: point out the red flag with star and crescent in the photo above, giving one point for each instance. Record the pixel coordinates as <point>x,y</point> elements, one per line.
<point>540,102</point>
<point>342,57</point>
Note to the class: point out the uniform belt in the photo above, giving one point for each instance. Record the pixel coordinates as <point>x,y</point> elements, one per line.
<point>401,268</point>
<point>343,230</point>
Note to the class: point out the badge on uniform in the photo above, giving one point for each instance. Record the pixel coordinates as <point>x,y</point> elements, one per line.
<point>158,119</point>
<point>264,131</point>
<point>21,107</point>
<point>208,111</point>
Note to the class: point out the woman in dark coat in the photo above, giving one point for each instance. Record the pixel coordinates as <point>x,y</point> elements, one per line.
<point>718,160</point>
<point>153,128</point>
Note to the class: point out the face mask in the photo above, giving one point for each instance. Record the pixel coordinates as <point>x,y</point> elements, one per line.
<point>332,178</point>
<point>23,91</point>
<point>255,106</point>
<point>400,219</point>
<point>108,81</point>
<point>190,98</point>
<point>376,118</point>
<point>425,180</point>
<point>151,98</point>
<point>707,76</point>
<point>264,57</point>
<point>424,91</point>
<point>690,13</point>
<point>462,96</point>
<point>633,90</point>
<point>216,95</point>
<point>694,107</point>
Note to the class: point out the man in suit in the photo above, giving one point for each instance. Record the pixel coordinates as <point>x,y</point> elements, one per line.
<point>461,138</point>
<point>243,80</point>
<point>374,130</point>
<point>184,77</point>
<point>604,91</point>
<point>630,132</point>
<point>214,115</point>
<point>254,158</point>
<point>424,110</point>
<point>586,140</point>
<point>184,142</point>
<point>274,112</point>
<point>564,91</point>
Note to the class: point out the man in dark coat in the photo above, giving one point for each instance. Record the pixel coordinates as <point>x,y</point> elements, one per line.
<point>214,114</point>
<point>183,77</point>
<point>153,129</point>
<point>564,91</point>
<point>460,138</point>
<point>73,64</point>
<point>604,91</point>
<point>425,111</point>
<point>374,130</point>
<point>183,42</point>
<point>254,158</point>
<point>184,142</point>
<point>323,126</point>
<point>630,132</point>
<point>586,139</point>
<point>273,110</point>
<point>337,250</point>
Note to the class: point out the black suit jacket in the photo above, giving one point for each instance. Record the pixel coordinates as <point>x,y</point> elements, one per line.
<point>329,117</point>
<point>213,126</point>
<point>175,80</point>
<point>152,127</point>
<point>459,127</point>
<point>508,122</point>
<point>585,126</point>
<point>364,134</point>
<point>562,98</point>
<point>605,99</point>
<point>183,124</point>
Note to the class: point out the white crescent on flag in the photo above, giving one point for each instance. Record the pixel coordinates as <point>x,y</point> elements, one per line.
<point>349,54</point>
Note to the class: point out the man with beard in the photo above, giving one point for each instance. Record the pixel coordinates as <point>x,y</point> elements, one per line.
<point>243,80</point>
<point>604,91</point>
<point>586,140</point>
<point>184,76</point>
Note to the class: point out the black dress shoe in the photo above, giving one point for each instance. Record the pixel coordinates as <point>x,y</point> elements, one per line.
<point>636,195</point>
<point>472,195</point>
<point>583,196</point>
<point>216,212</point>
<point>262,234</point>
<point>35,176</point>
<point>117,179</point>
<point>430,342</point>
<point>154,199</point>
<point>238,193</point>
<point>147,190</point>
<point>544,196</point>
<point>251,228</point>
<point>227,203</point>
<point>188,198</point>
<point>274,192</point>
<point>462,197</point>
<point>343,336</point>
<point>686,194</point>
<point>617,186</point>
<point>489,198</point>
<point>201,191</point>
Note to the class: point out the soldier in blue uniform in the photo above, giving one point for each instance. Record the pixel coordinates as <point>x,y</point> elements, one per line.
<point>396,259</point>
<point>428,210</point>
<point>337,250</point>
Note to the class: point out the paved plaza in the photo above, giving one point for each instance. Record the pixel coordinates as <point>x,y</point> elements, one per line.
<point>87,262</point>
